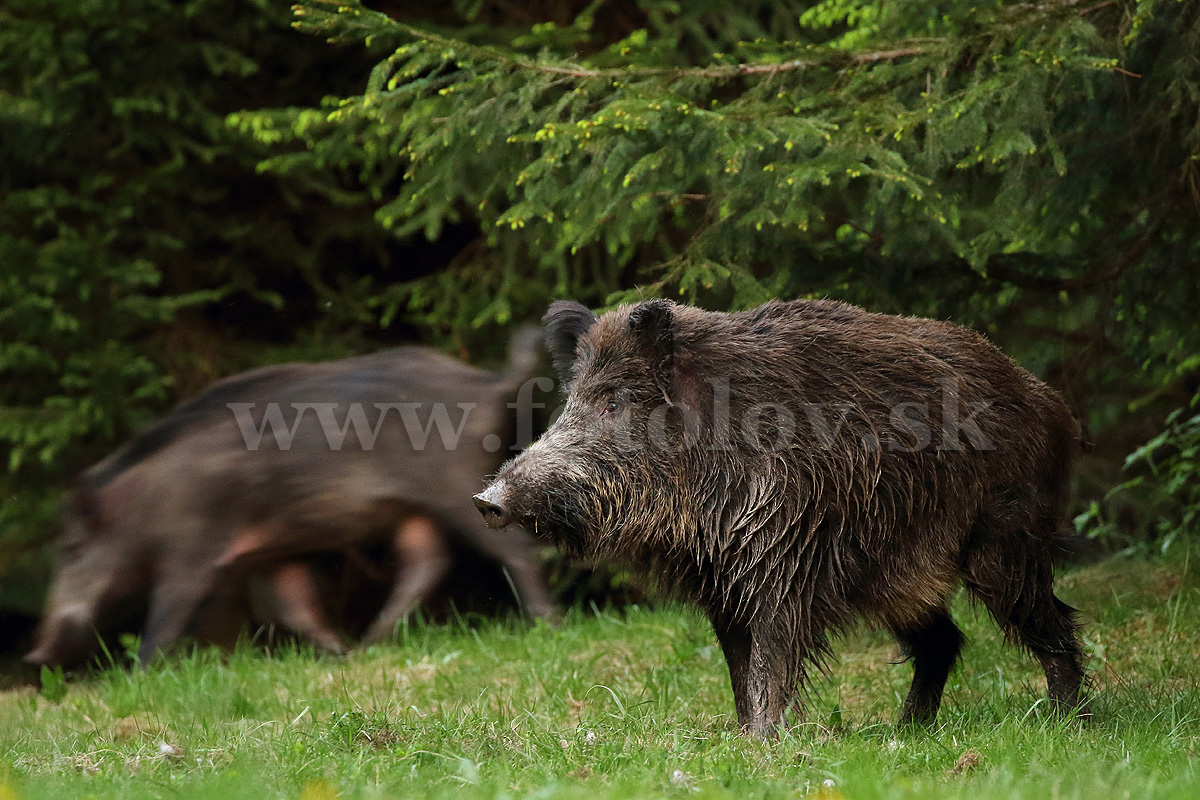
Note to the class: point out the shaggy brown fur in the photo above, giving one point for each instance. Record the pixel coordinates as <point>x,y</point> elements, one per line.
<point>901,456</point>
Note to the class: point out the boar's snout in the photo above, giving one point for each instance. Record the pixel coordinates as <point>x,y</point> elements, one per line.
<point>40,657</point>
<point>62,642</point>
<point>493,506</point>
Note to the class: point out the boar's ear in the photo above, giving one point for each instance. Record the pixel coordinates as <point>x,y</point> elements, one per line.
<point>565,321</point>
<point>652,326</point>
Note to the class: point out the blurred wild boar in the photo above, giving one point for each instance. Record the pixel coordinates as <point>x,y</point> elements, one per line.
<point>283,461</point>
<point>799,466</point>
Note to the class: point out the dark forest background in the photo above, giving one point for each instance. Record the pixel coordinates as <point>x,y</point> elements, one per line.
<point>191,189</point>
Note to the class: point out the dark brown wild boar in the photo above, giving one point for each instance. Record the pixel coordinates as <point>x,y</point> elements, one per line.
<point>283,461</point>
<point>801,465</point>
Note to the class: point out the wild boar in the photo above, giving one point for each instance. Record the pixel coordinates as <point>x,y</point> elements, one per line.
<point>287,460</point>
<point>802,465</point>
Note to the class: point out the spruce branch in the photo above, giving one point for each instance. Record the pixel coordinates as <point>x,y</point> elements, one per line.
<point>718,72</point>
<point>724,71</point>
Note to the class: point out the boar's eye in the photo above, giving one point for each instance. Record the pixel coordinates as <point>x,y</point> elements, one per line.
<point>612,407</point>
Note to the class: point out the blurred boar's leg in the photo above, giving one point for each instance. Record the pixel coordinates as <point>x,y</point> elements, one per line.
<point>514,550</point>
<point>189,575</point>
<point>298,604</point>
<point>295,597</point>
<point>248,543</point>
<point>180,590</point>
<point>423,560</point>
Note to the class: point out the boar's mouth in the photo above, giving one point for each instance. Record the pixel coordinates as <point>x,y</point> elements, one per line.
<point>67,643</point>
<point>497,517</point>
<point>567,516</point>
<point>500,509</point>
<point>546,527</point>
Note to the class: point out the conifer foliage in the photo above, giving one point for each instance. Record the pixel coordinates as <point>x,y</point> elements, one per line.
<point>900,132</point>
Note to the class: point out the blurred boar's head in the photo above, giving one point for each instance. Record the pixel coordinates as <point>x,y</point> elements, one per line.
<point>93,573</point>
<point>626,423</point>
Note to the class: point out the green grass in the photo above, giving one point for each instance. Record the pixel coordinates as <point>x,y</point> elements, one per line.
<point>633,706</point>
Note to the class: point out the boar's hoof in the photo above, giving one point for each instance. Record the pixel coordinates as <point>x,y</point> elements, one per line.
<point>489,504</point>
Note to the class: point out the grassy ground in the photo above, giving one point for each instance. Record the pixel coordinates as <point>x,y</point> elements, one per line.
<point>631,706</point>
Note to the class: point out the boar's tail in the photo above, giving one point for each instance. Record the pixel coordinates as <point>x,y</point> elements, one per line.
<point>524,348</point>
<point>1073,549</point>
<point>1086,444</point>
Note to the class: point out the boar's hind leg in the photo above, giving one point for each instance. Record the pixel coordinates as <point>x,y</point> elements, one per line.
<point>298,603</point>
<point>423,561</point>
<point>763,685</point>
<point>179,592</point>
<point>933,648</point>
<point>1014,578</point>
<point>513,550</point>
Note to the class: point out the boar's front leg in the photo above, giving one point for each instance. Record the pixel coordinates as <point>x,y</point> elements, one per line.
<point>298,603</point>
<point>180,590</point>
<point>763,685</point>
<point>933,646</point>
<point>423,561</point>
